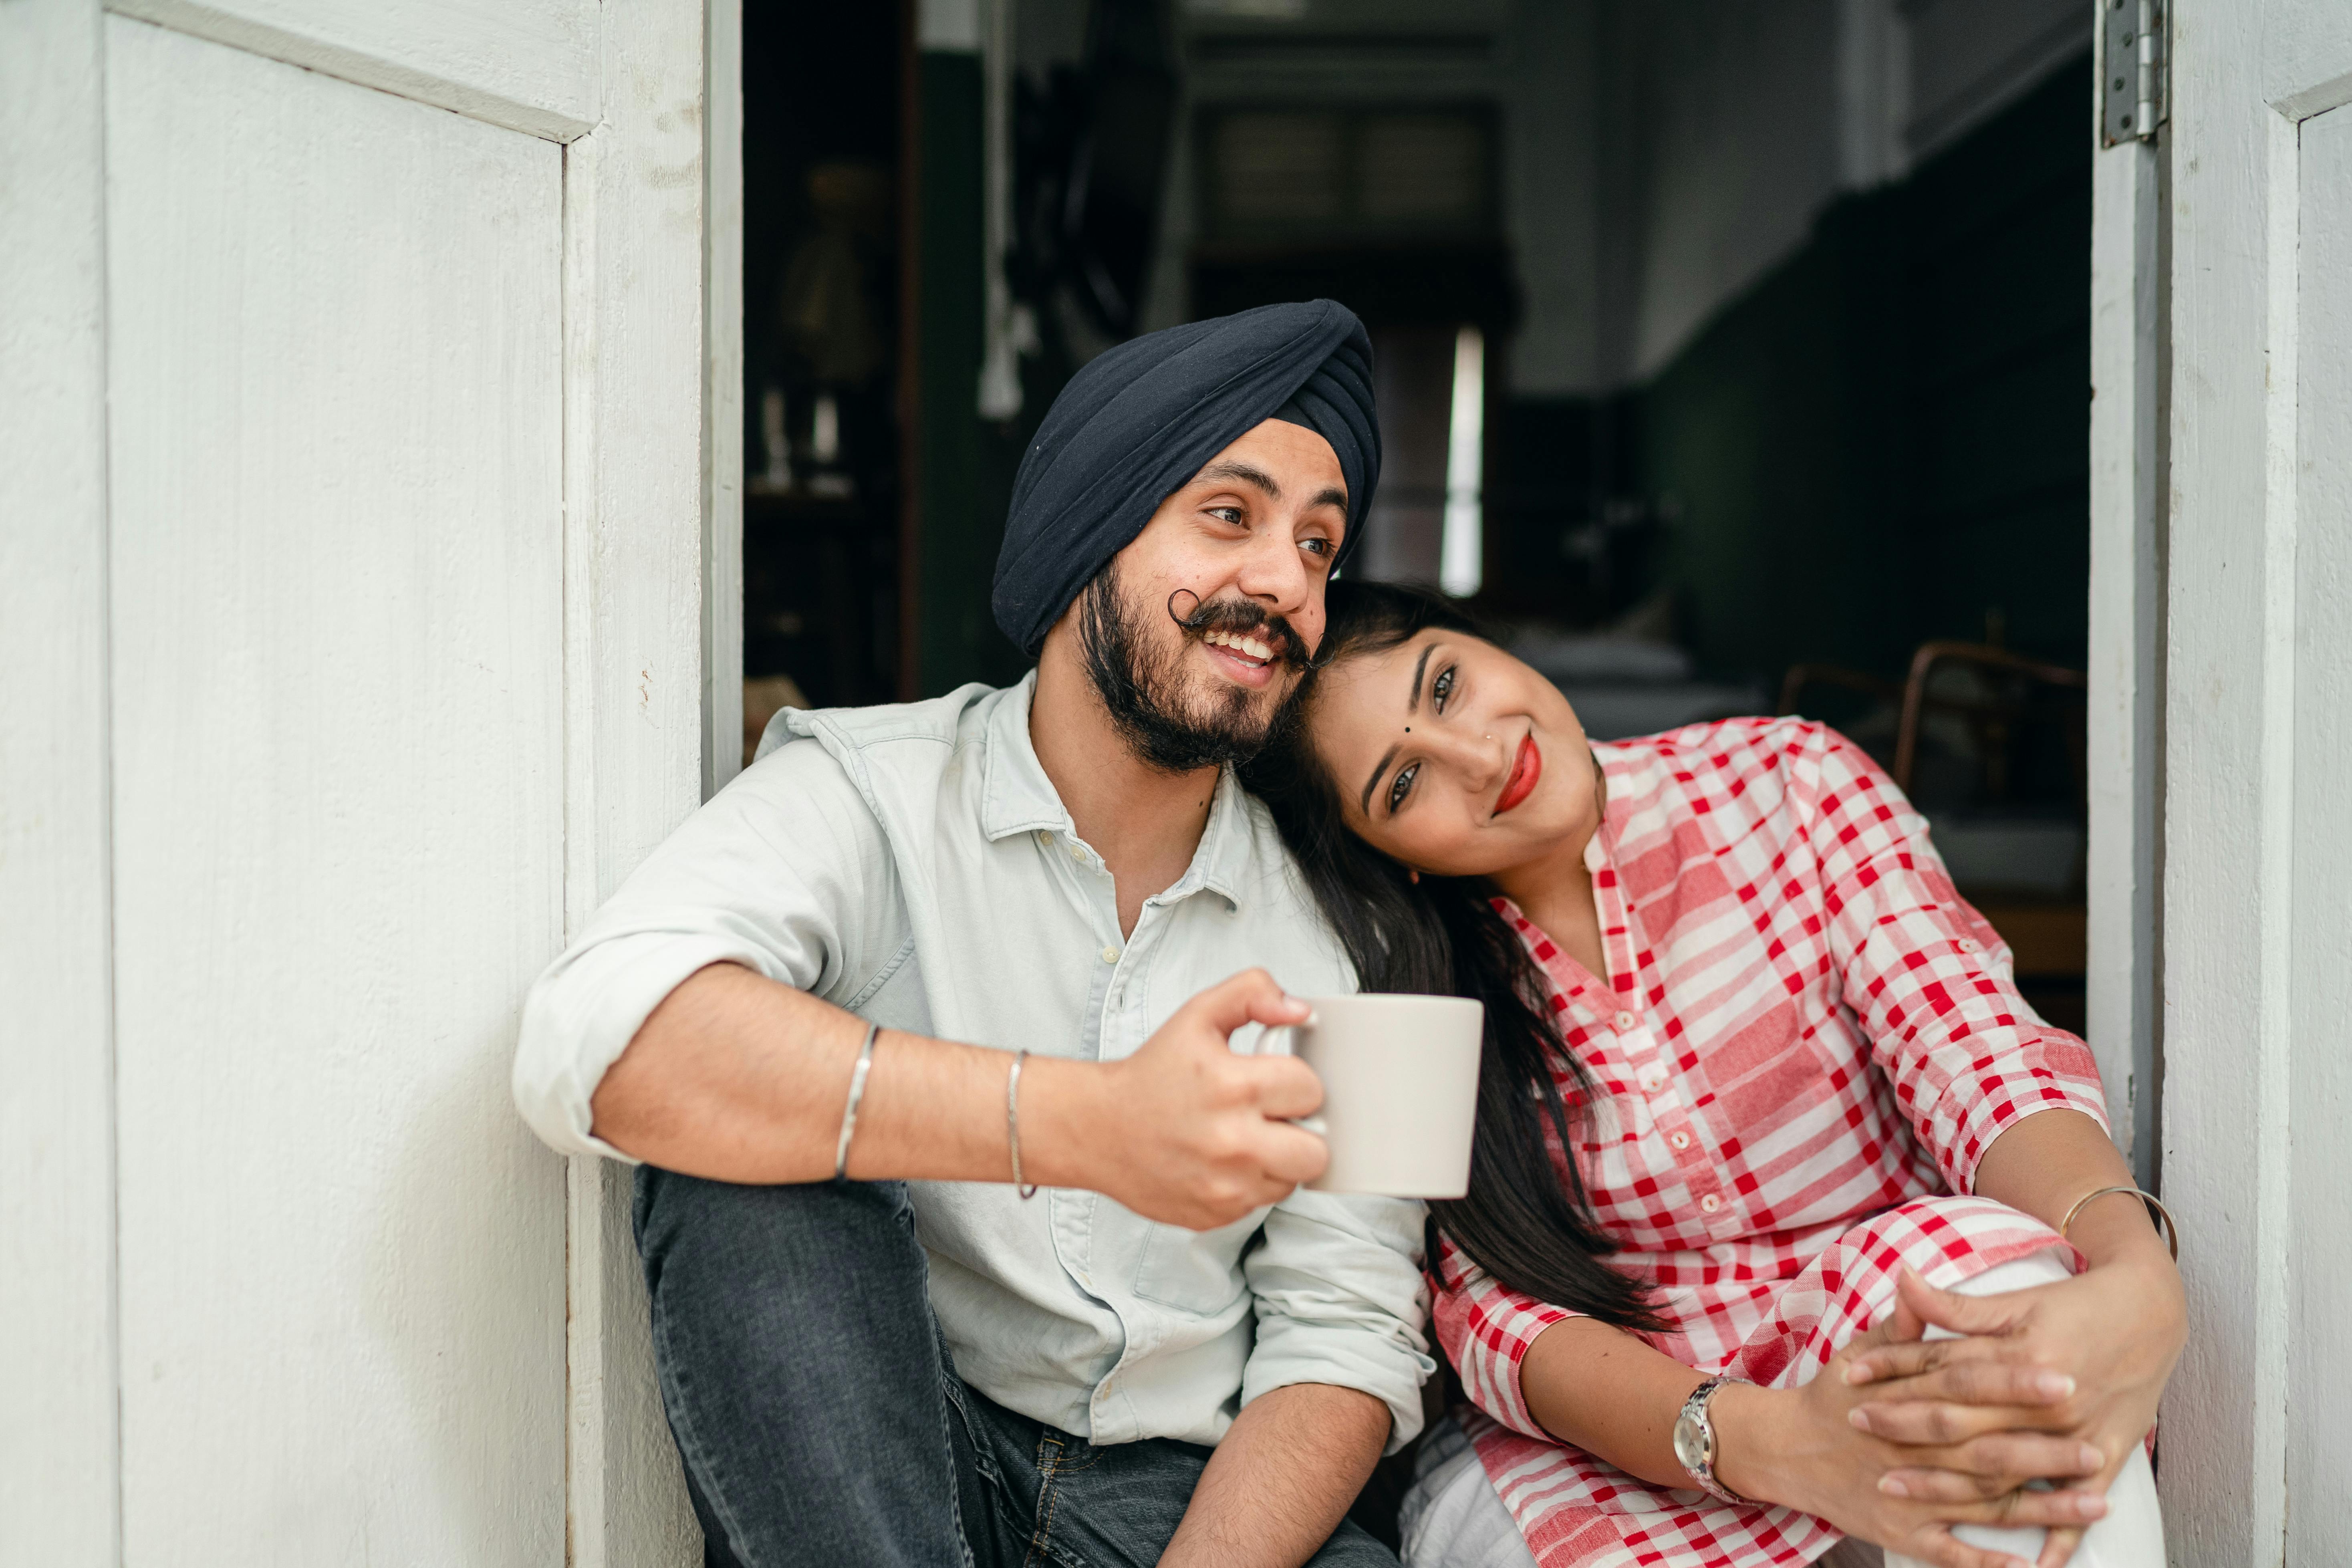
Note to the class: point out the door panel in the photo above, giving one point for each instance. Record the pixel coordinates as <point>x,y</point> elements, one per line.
<point>529,65</point>
<point>337,558</point>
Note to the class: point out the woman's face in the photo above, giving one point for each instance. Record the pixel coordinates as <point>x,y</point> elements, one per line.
<point>1453,757</point>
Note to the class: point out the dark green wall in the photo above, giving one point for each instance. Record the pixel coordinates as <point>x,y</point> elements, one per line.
<point>1887,436</point>
<point>965,468</point>
<point>956,534</point>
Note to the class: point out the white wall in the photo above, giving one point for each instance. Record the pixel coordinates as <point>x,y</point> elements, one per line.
<point>1736,150</point>
<point>1666,157</point>
<point>1969,60</point>
<point>1551,192</point>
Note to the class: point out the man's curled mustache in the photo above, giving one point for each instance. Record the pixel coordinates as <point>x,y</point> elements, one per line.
<point>1241,617</point>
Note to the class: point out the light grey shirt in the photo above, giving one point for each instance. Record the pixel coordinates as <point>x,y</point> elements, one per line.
<point>915,865</point>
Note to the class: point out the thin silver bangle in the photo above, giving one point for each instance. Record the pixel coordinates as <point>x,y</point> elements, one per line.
<point>857,1093</point>
<point>1012,1122</point>
<point>2171,1231</point>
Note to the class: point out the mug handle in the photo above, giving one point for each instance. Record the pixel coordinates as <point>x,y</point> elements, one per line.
<point>1314,1124</point>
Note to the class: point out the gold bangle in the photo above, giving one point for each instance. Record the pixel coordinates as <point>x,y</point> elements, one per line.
<point>2171,1230</point>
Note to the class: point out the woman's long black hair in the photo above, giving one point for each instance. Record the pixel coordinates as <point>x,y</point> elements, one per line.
<point>1443,936</point>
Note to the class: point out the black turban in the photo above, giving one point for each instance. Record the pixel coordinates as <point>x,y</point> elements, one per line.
<point>1137,422</point>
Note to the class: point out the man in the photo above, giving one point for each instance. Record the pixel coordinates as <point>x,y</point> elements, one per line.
<point>916,956</point>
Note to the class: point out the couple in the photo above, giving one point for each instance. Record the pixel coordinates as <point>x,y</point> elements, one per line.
<point>972,1232</point>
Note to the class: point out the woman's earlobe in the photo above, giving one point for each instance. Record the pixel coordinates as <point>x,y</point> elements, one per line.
<point>1412,876</point>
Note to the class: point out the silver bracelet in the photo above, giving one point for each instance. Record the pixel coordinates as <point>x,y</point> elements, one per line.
<point>1012,1122</point>
<point>2171,1231</point>
<point>857,1093</point>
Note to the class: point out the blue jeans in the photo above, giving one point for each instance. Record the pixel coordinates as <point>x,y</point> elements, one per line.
<point>820,1422</point>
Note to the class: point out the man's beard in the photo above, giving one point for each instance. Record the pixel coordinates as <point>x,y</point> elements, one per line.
<point>1145,692</point>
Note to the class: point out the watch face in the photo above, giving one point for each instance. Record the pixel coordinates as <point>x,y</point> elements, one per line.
<point>1690,1446</point>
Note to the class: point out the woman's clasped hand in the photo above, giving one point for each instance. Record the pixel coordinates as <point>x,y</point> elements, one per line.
<point>1804,1449</point>
<point>2058,1383</point>
<point>1900,1438</point>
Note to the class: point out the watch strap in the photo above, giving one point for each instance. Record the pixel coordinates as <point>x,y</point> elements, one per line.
<point>1695,1441</point>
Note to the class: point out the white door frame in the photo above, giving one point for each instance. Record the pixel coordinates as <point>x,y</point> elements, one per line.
<point>628,1502</point>
<point>2126,618</point>
<point>2200,560</point>
<point>60,1444</point>
<point>652,388</point>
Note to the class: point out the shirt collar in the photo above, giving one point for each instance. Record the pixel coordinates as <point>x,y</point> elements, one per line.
<point>1016,797</point>
<point>1601,847</point>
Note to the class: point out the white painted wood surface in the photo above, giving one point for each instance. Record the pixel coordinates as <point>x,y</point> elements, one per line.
<point>2256,930</point>
<point>634,692</point>
<point>2126,615</point>
<point>57,1474</point>
<point>336,371</point>
<point>528,65</point>
<point>2319,1178</point>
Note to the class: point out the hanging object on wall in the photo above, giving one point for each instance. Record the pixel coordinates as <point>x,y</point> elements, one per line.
<point>1111,215</point>
<point>1079,163</point>
<point>1011,328</point>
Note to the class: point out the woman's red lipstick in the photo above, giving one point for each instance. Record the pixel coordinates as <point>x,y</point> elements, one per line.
<point>1525,771</point>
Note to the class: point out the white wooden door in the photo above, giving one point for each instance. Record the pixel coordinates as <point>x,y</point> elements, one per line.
<point>2245,269</point>
<point>353,526</point>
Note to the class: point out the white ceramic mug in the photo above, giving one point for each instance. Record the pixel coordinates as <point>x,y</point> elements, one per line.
<point>1399,1091</point>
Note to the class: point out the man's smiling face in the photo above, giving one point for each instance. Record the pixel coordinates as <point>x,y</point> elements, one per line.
<point>1197,632</point>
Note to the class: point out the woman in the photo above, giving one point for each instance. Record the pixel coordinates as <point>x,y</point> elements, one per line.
<point>1810,1119</point>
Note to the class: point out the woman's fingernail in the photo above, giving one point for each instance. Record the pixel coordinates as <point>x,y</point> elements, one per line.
<point>1858,1418</point>
<point>2092,1506</point>
<point>2091,1459</point>
<point>1892,1487</point>
<point>1856,1372</point>
<point>2055,1385</point>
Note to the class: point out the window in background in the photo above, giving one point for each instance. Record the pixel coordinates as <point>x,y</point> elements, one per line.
<point>1327,176</point>
<point>1461,568</point>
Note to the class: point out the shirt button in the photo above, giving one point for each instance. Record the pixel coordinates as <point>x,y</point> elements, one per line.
<point>1970,944</point>
<point>1045,839</point>
<point>1652,1079</point>
<point>1624,1020</point>
<point>1110,955</point>
<point>1077,851</point>
<point>1680,1140</point>
<point>1709,1203</point>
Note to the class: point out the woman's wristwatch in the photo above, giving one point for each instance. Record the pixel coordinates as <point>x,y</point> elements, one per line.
<point>1695,1441</point>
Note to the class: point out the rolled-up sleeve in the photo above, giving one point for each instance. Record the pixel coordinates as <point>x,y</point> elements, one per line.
<point>785,871</point>
<point>1340,1299</point>
<point>1486,1329</point>
<point>1930,979</point>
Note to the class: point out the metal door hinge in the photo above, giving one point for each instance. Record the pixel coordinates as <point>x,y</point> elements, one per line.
<point>2131,70</point>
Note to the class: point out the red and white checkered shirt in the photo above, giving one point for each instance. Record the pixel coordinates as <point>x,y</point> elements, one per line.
<point>1806,1041</point>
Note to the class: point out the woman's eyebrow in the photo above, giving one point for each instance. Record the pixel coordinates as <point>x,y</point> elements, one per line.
<point>1413,705</point>
<point>1365,805</point>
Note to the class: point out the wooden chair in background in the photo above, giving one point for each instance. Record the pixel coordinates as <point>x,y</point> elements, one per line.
<point>2045,933</point>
